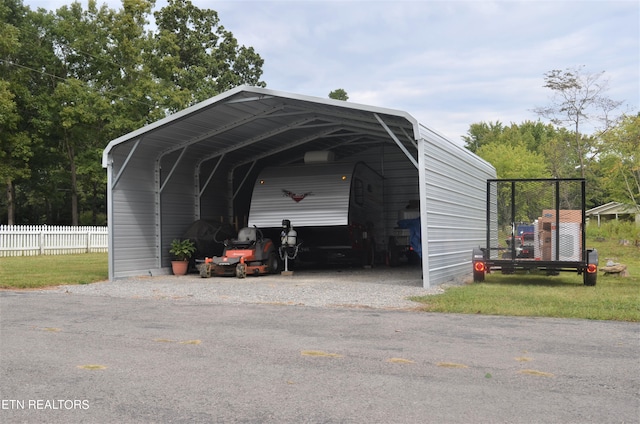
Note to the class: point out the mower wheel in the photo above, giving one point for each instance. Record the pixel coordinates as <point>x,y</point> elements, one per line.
<point>273,264</point>
<point>241,270</point>
<point>205,270</point>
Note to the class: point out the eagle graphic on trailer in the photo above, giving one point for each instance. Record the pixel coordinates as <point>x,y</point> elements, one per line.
<point>296,197</point>
<point>335,207</point>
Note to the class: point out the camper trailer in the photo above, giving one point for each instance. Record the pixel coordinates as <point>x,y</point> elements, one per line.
<point>336,208</point>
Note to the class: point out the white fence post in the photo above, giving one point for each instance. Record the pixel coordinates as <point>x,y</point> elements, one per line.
<point>28,240</point>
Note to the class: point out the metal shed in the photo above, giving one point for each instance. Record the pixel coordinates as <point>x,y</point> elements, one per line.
<point>200,164</point>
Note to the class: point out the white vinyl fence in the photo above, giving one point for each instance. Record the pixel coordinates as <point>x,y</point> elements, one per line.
<point>31,240</point>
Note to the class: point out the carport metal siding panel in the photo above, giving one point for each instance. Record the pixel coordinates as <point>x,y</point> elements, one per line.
<point>177,203</point>
<point>132,215</point>
<point>452,207</point>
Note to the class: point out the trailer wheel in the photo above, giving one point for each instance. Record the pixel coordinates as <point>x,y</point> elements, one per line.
<point>479,269</point>
<point>479,266</point>
<point>590,274</point>
<point>589,278</point>
<point>478,276</point>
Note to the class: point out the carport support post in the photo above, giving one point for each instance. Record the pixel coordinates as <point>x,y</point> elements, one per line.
<point>424,234</point>
<point>230,200</point>
<point>513,220</point>
<point>110,259</point>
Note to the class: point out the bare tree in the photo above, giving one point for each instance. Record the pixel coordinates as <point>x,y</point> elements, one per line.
<point>578,98</point>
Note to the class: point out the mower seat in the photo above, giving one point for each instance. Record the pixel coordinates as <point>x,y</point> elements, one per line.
<point>246,237</point>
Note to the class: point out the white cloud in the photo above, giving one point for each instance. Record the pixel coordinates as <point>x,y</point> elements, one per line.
<point>447,63</point>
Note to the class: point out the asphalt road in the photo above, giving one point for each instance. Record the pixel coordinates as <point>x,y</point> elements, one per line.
<point>68,358</point>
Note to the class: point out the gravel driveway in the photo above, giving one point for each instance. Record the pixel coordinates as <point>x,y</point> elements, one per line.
<point>381,288</point>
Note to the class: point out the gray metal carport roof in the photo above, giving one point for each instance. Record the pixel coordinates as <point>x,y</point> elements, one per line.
<point>249,123</point>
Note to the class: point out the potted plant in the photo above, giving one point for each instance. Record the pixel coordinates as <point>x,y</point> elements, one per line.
<point>181,251</point>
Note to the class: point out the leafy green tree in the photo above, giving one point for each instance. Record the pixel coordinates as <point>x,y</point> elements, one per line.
<point>81,118</point>
<point>559,156</point>
<point>14,148</point>
<point>126,68</point>
<point>532,134</point>
<point>79,109</point>
<point>9,116</point>
<point>118,77</point>
<point>514,161</point>
<point>339,94</point>
<point>23,52</point>
<point>200,58</point>
<point>623,156</point>
<point>578,98</point>
<point>536,134</point>
<point>482,133</point>
<point>73,79</point>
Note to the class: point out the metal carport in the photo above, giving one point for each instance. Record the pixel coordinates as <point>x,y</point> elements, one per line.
<point>200,163</point>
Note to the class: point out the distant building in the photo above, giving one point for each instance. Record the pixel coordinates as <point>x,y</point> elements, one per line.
<point>614,211</point>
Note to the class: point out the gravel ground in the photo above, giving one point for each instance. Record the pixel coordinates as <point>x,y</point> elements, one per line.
<point>380,288</point>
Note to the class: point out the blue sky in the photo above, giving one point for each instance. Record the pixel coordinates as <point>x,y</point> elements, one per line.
<point>447,63</point>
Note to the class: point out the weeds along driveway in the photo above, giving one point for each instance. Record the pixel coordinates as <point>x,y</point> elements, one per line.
<point>71,358</point>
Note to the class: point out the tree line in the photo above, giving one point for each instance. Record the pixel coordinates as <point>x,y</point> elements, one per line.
<point>537,150</point>
<point>608,158</point>
<point>73,79</point>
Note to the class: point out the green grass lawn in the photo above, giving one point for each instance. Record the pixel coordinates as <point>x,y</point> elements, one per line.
<point>563,296</point>
<point>30,272</point>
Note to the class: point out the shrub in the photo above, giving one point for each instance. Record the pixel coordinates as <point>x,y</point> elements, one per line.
<point>623,230</point>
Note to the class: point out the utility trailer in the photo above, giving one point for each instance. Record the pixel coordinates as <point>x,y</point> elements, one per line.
<point>335,207</point>
<point>536,224</point>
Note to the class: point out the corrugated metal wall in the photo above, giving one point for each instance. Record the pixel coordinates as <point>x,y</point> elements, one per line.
<point>453,207</point>
<point>132,218</point>
<point>177,202</point>
<point>143,220</point>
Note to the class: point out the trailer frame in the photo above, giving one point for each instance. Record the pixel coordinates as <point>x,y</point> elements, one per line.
<point>511,259</point>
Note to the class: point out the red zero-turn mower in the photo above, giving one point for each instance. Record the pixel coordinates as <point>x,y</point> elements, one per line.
<point>249,254</point>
